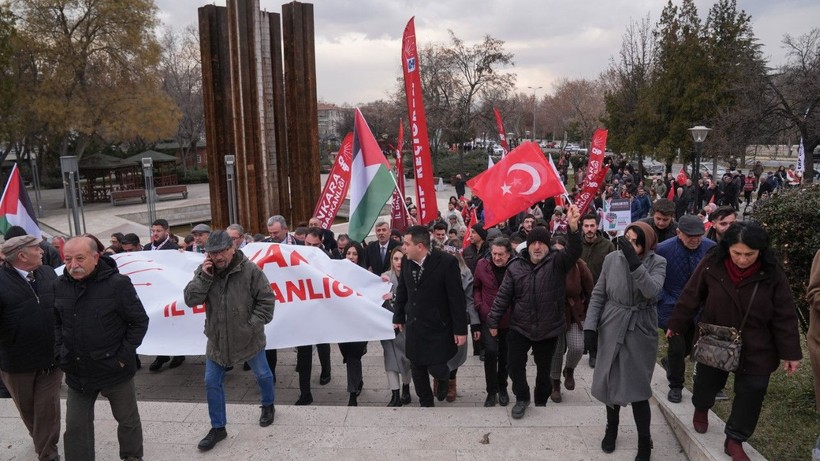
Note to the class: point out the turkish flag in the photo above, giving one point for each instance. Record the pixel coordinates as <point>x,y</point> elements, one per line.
<point>522,178</point>
<point>682,177</point>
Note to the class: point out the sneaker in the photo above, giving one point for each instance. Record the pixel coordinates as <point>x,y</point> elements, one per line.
<point>674,395</point>
<point>721,395</point>
<point>519,409</point>
<point>305,399</point>
<point>503,397</point>
<point>268,413</point>
<point>491,400</point>
<point>214,436</point>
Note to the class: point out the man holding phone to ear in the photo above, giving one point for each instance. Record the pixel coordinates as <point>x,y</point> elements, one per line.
<point>238,303</point>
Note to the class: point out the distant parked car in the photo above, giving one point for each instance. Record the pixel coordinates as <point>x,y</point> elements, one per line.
<point>498,150</point>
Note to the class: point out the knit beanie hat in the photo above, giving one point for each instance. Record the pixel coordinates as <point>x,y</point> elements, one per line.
<point>538,234</point>
<point>479,229</point>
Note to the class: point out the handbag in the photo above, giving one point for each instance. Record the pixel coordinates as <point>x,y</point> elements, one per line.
<point>719,346</point>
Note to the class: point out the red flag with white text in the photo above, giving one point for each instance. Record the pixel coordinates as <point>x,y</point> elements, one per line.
<point>422,163</point>
<point>594,167</point>
<point>519,180</point>
<point>338,181</point>
<point>502,135</point>
<point>398,209</point>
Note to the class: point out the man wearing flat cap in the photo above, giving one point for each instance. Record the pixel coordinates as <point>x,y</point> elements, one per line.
<point>27,341</point>
<point>683,254</point>
<point>201,233</point>
<point>238,304</point>
<point>534,289</point>
<point>99,323</point>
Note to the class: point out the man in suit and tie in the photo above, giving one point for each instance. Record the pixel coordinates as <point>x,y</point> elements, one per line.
<point>378,252</point>
<point>431,306</point>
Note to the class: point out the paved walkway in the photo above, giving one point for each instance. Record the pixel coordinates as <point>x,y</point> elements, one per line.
<point>175,416</point>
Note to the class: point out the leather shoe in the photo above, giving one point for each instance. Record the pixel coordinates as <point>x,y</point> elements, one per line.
<point>324,379</point>
<point>158,363</point>
<point>176,361</point>
<point>214,436</point>
<point>503,397</point>
<point>519,409</point>
<point>305,399</point>
<point>268,413</point>
<point>491,400</point>
<point>700,420</point>
<point>674,395</point>
<point>734,448</point>
<point>592,360</point>
<point>569,379</point>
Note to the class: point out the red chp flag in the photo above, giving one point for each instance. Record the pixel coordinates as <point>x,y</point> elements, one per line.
<point>515,183</point>
<point>398,209</point>
<point>502,135</point>
<point>682,177</point>
<point>422,164</point>
<point>594,167</point>
<point>338,181</point>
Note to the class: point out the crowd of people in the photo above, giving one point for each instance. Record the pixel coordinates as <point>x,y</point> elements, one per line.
<point>546,282</point>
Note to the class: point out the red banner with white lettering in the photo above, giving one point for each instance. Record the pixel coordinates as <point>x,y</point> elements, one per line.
<point>594,168</point>
<point>338,181</point>
<point>502,134</point>
<point>422,163</point>
<point>398,209</point>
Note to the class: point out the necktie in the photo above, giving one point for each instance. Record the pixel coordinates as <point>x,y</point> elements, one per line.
<point>31,280</point>
<point>384,250</point>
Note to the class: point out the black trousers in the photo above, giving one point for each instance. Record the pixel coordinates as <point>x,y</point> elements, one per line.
<point>304,364</point>
<point>495,359</point>
<point>421,380</point>
<point>680,346</point>
<point>518,346</point>
<point>750,390</point>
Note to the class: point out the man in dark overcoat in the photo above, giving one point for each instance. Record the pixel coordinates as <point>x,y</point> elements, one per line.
<point>431,306</point>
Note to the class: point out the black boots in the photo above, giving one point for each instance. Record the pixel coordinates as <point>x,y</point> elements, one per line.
<point>353,402</point>
<point>644,448</point>
<point>268,412</point>
<point>214,436</point>
<point>611,434</point>
<point>395,400</point>
<point>405,394</point>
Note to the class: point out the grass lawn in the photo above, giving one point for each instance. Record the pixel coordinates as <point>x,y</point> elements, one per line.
<point>788,426</point>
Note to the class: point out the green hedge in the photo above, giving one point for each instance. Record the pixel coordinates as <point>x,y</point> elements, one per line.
<point>792,219</point>
<point>195,176</point>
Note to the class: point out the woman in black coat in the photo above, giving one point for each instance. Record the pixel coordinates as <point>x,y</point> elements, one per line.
<point>352,352</point>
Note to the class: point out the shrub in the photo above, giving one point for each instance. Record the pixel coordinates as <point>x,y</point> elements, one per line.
<point>195,176</point>
<point>792,220</point>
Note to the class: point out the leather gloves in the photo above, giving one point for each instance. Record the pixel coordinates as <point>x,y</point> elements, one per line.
<point>629,253</point>
<point>591,340</point>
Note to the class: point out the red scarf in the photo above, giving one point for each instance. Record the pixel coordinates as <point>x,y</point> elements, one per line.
<point>736,274</point>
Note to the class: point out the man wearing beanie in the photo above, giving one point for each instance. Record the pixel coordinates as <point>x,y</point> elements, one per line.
<point>534,290</point>
<point>478,248</point>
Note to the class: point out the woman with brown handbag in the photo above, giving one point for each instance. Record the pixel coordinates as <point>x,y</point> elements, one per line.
<point>740,279</point>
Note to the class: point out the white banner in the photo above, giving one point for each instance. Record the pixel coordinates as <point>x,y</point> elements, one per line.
<point>318,300</point>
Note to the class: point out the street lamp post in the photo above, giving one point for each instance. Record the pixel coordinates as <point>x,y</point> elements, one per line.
<point>534,89</point>
<point>148,174</point>
<point>230,162</point>
<point>699,134</point>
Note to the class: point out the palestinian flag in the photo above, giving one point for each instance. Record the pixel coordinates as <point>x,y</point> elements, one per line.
<point>371,184</point>
<point>15,206</point>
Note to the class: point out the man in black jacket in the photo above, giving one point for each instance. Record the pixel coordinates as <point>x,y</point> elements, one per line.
<point>377,253</point>
<point>51,257</point>
<point>27,341</point>
<point>431,305</point>
<point>161,240</point>
<point>534,287</point>
<point>100,322</point>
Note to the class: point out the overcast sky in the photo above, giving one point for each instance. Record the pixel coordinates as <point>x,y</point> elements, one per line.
<point>358,42</point>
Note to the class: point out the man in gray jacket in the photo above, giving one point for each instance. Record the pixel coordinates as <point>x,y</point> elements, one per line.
<point>238,303</point>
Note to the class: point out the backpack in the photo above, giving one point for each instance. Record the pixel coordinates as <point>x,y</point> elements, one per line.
<point>749,184</point>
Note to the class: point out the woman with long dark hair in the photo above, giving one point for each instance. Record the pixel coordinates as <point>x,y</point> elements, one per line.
<point>352,352</point>
<point>741,276</point>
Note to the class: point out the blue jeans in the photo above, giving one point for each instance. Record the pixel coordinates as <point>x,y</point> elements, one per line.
<point>215,377</point>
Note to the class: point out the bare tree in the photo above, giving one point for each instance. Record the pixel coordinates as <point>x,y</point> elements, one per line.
<point>181,71</point>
